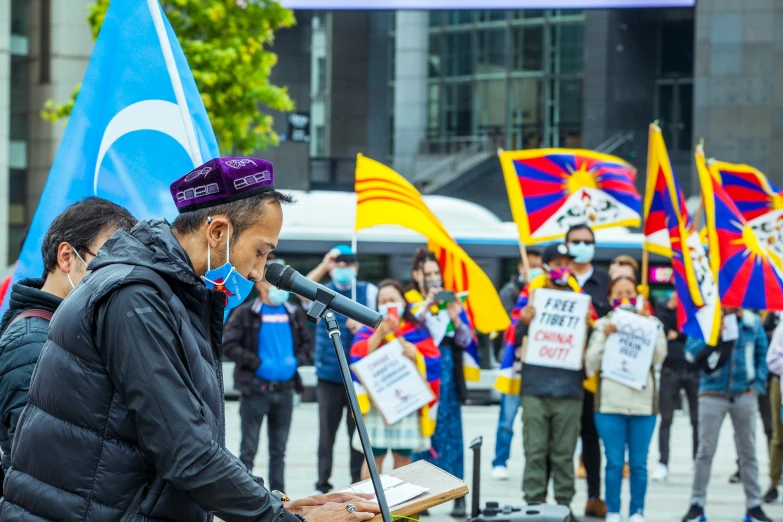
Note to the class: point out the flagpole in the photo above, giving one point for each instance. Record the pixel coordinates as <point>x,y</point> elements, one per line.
<point>354,244</point>
<point>523,256</point>
<point>645,273</point>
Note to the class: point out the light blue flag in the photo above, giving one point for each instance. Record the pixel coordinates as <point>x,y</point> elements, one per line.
<point>138,124</point>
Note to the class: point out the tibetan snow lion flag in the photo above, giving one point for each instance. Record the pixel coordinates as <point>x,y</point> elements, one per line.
<point>758,199</point>
<point>746,271</point>
<point>552,189</point>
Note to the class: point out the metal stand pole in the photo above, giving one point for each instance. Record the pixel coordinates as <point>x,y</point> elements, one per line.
<point>320,309</point>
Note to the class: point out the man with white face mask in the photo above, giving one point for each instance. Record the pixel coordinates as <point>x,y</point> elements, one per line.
<point>268,339</point>
<point>72,241</point>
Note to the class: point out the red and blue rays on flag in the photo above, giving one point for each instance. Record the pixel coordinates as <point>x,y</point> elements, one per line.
<point>551,189</point>
<point>509,381</point>
<point>428,362</point>
<point>744,269</point>
<point>753,194</point>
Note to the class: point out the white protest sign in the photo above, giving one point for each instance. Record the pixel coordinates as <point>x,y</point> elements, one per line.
<point>393,382</point>
<point>628,354</point>
<point>556,336</point>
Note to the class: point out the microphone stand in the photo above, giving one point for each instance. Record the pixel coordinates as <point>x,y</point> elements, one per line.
<point>318,310</point>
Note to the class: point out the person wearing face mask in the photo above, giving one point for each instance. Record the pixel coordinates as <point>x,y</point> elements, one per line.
<point>456,345</point>
<point>125,419</point>
<point>595,283</point>
<point>73,239</point>
<point>509,402</point>
<point>625,417</point>
<point>341,265</point>
<point>733,374</point>
<point>269,340</point>
<point>551,397</point>
<point>414,431</point>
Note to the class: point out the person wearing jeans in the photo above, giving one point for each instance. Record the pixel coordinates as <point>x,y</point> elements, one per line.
<point>625,416</point>
<point>677,374</point>
<point>775,364</point>
<point>730,384</point>
<point>268,339</point>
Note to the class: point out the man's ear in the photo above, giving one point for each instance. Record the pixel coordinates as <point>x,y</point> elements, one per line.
<point>65,255</point>
<point>216,230</point>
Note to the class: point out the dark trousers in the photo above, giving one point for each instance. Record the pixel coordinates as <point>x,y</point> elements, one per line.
<point>278,408</point>
<point>332,400</point>
<point>591,446</point>
<point>672,381</point>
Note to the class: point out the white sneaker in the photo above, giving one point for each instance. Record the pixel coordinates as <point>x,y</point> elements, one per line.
<point>613,517</point>
<point>661,474</point>
<point>500,473</point>
<point>636,517</point>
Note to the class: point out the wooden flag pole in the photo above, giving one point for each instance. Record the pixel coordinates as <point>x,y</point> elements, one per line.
<point>523,256</point>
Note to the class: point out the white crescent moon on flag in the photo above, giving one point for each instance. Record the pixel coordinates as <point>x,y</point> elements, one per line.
<point>154,115</point>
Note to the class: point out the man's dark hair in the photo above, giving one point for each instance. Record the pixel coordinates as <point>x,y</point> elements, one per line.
<point>80,224</point>
<point>532,252</point>
<point>242,214</point>
<point>579,226</point>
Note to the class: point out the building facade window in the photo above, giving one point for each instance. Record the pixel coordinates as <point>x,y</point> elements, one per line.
<point>19,98</point>
<point>512,75</point>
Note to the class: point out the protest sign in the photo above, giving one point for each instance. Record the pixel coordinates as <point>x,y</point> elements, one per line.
<point>393,382</point>
<point>556,336</point>
<point>628,354</point>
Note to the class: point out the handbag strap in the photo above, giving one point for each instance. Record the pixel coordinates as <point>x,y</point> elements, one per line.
<point>46,315</point>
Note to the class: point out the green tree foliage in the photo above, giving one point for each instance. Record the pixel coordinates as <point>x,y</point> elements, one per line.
<point>227,44</point>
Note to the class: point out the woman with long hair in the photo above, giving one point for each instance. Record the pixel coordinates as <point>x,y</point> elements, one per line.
<point>426,296</point>
<point>413,432</point>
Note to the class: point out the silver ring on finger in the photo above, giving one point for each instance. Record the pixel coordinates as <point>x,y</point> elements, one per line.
<point>351,508</point>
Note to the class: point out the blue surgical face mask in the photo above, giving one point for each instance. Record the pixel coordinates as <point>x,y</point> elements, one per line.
<point>582,252</point>
<point>227,280</point>
<point>343,275</point>
<point>277,296</point>
<point>534,272</point>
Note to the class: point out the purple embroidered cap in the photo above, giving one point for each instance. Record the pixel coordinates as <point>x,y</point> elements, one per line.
<point>222,180</point>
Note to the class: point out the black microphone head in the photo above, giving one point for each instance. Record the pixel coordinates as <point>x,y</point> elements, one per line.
<point>280,275</point>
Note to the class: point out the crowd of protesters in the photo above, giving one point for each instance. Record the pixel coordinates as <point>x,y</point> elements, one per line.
<point>572,419</point>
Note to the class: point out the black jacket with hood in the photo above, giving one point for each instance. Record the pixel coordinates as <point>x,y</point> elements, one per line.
<point>125,419</point>
<point>20,346</point>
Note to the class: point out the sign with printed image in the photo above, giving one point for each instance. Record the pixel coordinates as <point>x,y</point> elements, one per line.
<point>393,382</point>
<point>628,354</point>
<point>556,336</point>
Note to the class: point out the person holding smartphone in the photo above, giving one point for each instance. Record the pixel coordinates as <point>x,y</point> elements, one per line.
<point>426,296</point>
<point>625,417</point>
<point>414,431</point>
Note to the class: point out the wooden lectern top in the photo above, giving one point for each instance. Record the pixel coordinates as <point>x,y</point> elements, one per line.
<point>443,487</point>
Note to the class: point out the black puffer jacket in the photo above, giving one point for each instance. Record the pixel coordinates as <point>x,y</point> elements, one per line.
<point>20,346</point>
<point>125,417</point>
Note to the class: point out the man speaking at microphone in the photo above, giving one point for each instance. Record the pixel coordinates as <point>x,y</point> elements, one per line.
<point>125,419</point>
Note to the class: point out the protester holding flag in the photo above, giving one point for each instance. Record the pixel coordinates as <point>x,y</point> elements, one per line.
<point>677,374</point>
<point>509,402</point>
<point>414,431</point>
<point>127,396</point>
<point>581,244</point>
<point>451,330</point>
<point>625,416</point>
<point>733,373</point>
<point>72,241</point>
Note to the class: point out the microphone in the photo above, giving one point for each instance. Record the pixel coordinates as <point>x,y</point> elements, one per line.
<point>286,278</point>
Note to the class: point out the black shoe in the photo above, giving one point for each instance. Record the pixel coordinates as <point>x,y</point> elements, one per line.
<point>756,515</point>
<point>459,510</point>
<point>771,495</point>
<point>735,478</point>
<point>695,514</point>
<point>424,513</point>
<point>572,517</point>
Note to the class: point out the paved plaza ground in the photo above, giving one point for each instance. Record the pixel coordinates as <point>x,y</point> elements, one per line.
<point>665,501</point>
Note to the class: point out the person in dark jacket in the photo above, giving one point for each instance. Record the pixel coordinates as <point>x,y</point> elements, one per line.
<point>677,374</point>
<point>73,239</point>
<point>595,283</point>
<point>268,339</point>
<point>125,419</point>
<point>342,266</point>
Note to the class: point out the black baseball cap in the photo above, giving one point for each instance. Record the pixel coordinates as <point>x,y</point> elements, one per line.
<point>554,251</point>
